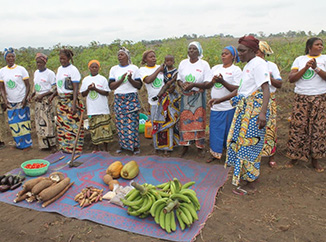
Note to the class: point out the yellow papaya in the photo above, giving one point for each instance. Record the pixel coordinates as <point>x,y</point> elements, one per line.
<point>114,169</point>
<point>130,170</point>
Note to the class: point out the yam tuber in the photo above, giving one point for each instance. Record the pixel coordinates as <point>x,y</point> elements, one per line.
<point>28,185</point>
<point>48,202</point>
<point>52,191</point>
<point>41,186</point>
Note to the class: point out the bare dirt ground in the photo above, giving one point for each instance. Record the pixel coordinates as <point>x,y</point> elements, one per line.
<point>290,204</point>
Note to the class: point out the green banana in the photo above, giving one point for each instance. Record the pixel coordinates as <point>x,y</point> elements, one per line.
<point>190,207</point>
<point>183,216</point>
<point>168,222</point>
<point>188,214</point>
<point>157,212</point>
<point>173,223</point>
<point>180,197</point>
<point>134,202</point>
<point>192,196</point>
<point>133,194</point>
<point>162,219</point>
<point>155,194</point>
<point>172,188</point>
<point>176,184</point>
<point>144,215</point>
<point>156,204</point>
<point>162,185</point>
<point>162,194</point>
<point>187,185</point>
<point>167,186</point>
<point>181,223</point>
<point>145,207</point>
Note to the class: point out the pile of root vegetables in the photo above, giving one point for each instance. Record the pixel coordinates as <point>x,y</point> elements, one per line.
<point>88,196</point>
<point>44,189</point>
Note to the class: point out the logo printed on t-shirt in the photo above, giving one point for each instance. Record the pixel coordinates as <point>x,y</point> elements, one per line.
<point>309,74</point>
<point>60,83</point>
<point>218,85</point>
<point>157,83</point>
<point>125,80</point>
<point>11,84</point>
<point>93,95</point>
<point>190,78</point>
<point>37,87</point>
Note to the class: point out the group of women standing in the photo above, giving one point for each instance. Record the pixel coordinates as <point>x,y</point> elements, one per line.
<point>243,106</point>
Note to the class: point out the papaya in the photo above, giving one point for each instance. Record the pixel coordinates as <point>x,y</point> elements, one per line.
<point>130,170</point>
<point>114,169</point>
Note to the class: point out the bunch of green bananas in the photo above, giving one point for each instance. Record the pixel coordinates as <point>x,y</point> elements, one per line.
<point>182,203</point>
<point>140,199</point>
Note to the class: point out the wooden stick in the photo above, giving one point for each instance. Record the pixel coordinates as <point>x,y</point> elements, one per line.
<point>57,196</point>
<point>77,137</point>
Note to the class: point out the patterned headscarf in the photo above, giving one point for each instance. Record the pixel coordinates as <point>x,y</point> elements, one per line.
<point>8,51</point>
<point>250,41</point>
<point>199,48</point>
<point>265,48</point>
<point>94,61</point>
<point>234,53</point>
<point>127,52</point>
<point>43,57</point>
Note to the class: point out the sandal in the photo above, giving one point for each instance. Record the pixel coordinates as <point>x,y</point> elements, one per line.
<point>211,160</point>
<point>136,152</point>
<point>119,151</point>
<point>239,191</point>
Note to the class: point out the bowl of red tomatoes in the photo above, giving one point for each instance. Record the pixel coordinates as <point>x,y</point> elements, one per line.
<point>35,167</point>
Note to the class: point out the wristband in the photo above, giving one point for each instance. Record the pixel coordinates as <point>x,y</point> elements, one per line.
<point>317,69</point>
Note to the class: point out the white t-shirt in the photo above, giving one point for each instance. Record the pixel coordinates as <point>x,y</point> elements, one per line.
<point>43,81</point>
<point>64,73</point>
<point>152,88</point>
<point>232,75</point>
<point>13,78</point>
<point>310,83</point>
<point>254,74</point>
<point>116,72</point>
<point>96,103</point>
<point>197,72</point>
<point>275,73</point>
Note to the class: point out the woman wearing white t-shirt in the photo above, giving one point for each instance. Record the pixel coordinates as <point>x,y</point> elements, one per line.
<point>246,136</point>
<point>269,148</point>
<point>14,86</point>
<point>226,79</point>
<point>307,136</point>
<point>44,86</point>
<point>124,79</point>
<point>194,73</point>
<point>96,88</point>
<point>69,107</point>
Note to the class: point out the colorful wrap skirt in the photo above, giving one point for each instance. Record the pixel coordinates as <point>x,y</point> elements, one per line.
<point>101,128</point>
<point>126,109</point>
<point>192,125</point>
<point>67,124</point>
<point>45,124</point>
<point>164,119</point>
<point>269,148</point>
<point>245,140</point>
<point>219,126</point>
<point>307,133</point>
<point>19,120</point>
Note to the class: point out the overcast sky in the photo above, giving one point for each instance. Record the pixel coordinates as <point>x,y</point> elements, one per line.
<point>45,23</point>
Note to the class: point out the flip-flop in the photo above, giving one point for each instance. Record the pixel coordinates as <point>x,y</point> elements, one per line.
<point>136,152</point>
<point>118,151</point>
<point>239,191</point>
<point>273,164</point>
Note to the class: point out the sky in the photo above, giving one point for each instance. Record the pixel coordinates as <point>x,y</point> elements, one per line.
<point>45,24</point>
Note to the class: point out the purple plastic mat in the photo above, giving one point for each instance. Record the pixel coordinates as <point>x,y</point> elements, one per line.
<point>153,170</point>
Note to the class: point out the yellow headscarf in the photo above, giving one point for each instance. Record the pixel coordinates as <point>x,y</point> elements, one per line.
<point>94,61</point>
<point>265,48</point>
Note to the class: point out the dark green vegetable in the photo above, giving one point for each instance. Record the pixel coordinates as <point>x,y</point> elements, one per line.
<point>4,188</point>
<point>2,182</point>
<point>10,180</point>
<point>16,180</point>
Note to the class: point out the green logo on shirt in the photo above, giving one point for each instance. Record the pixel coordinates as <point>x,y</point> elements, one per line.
<point>157,83</point>
<point>308,74</point>
<point>190,78</point>
<point>60,83</point>
<point>125,80</point>
<point>37,87</point>
<point>93,95</point>
<point>11,84</point>
<point>218,85</point>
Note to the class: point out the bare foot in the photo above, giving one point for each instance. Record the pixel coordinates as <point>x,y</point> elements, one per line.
<point>316,165</point>
<point>291,163</point>
<point>184,151</point>
<point>211,159</point>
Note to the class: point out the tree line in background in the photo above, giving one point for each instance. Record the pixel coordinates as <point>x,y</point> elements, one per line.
<point>286,47</point>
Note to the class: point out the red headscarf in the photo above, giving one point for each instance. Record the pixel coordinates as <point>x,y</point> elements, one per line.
<point>250,41</point>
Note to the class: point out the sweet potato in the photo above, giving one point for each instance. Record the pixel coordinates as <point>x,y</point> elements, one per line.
<point>20,198</point>
<point>52,191</point>
<point>40,186</point>
<point>48,202</point>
